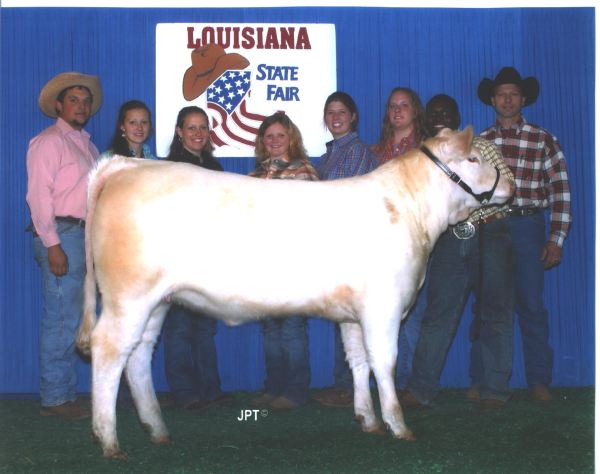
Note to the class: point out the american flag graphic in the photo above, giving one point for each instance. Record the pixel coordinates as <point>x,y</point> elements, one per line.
<point>232,124</point>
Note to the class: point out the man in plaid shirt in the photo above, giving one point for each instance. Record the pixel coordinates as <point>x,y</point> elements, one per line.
<point>538,164</point>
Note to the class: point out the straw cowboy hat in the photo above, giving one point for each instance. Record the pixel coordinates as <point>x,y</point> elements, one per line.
<point>64,81</point>
<point>530,87</point>
<point>208,63</point>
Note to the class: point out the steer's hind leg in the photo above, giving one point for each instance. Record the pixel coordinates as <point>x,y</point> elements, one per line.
<point>113,338</point>
<point>108,360</point>
<point>356,356</point>
<point>381,340</point>
<point>139,378</point>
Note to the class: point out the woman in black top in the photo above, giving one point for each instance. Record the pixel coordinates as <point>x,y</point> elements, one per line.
<point>190,352</point>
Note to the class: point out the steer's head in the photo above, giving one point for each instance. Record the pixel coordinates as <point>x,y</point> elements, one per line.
<point>477,169</point>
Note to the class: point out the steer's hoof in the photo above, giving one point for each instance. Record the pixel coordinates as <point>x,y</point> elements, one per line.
<point>118,455</point>
<point>378,429</point>
<point>406,436</point>
<point>162,440</point>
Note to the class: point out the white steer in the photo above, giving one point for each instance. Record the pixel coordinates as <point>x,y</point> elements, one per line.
<point>159,232</point>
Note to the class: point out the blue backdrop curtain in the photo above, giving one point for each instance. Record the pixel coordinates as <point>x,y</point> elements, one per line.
<point>429,50</point>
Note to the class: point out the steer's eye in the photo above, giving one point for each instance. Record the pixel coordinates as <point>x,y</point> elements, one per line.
<point>473,159</point>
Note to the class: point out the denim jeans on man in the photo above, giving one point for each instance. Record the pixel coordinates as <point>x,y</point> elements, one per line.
<point>191,356</point>
<point>63,302</point>
<point>287,364</point>
<point>454,273</point>
<point>528,236</point>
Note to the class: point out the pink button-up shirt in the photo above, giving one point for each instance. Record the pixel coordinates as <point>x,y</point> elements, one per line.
<point>58,163</point>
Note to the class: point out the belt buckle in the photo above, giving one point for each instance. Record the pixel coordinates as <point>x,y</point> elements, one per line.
<point>464,230</point>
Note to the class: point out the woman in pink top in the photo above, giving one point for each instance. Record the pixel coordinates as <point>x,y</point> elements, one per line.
<point>403,125</point>
<point>404,128</point>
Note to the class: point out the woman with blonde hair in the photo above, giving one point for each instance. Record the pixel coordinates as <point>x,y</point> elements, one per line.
<point>280,154</point>
<point>279,146</point>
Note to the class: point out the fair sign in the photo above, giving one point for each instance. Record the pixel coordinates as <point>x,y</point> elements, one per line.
<point>240,74</point>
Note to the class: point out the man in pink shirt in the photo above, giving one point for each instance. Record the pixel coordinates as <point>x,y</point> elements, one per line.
<point>59,160</point>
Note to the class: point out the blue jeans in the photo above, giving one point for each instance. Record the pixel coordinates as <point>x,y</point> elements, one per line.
<point>409,335</point>
<point>63,302</point>
<point>454,273</point>
<point>191,356</point>
<point>529,237</point>
<point>286,358</point>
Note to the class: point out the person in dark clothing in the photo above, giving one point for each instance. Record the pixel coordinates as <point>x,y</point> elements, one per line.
<point>190,351</point>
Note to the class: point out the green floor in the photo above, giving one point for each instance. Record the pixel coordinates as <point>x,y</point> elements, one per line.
<point>453,437</point>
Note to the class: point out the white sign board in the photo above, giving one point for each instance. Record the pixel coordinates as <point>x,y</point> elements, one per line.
<point>240,73</point>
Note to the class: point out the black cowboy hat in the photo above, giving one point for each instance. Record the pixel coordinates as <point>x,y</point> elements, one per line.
<point>530,87</point>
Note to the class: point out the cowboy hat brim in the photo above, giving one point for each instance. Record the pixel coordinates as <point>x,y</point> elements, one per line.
<point>194,83</point>
<point>530,88</point>
<point>64,81</point>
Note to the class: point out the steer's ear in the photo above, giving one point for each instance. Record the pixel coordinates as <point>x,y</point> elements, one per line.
<point>459,143</point>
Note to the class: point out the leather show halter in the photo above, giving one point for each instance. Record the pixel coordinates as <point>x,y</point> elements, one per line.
<point>483,198</point>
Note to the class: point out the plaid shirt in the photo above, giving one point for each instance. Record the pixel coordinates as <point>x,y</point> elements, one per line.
<point>347,156</point>
<point>281,169</point>
<point>386,151</point>
<point>538,163</point>
<point>491,154</point>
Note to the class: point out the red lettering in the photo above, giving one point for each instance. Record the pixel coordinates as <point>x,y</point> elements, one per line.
<point>248,38</point>
<point>303,41</point>
<point>248,41</point>
<point>287,38</point>
<point>236,38</point>
<point>191,43</point>
<point>260,45</point>
<point>208,36</point>
<point>271,41</point>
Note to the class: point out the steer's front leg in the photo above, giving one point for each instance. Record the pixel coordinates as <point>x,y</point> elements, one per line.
<point>381,336</point>
<point>357,359</point>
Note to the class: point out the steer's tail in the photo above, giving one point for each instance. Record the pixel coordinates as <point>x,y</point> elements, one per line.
<point>97,179</point>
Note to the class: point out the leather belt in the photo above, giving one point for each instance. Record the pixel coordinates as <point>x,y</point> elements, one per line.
<point>466,230</point>
<point>67,219</point>
<point>71,220</point>
<point>523,211</point>
<point>491,218</point>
